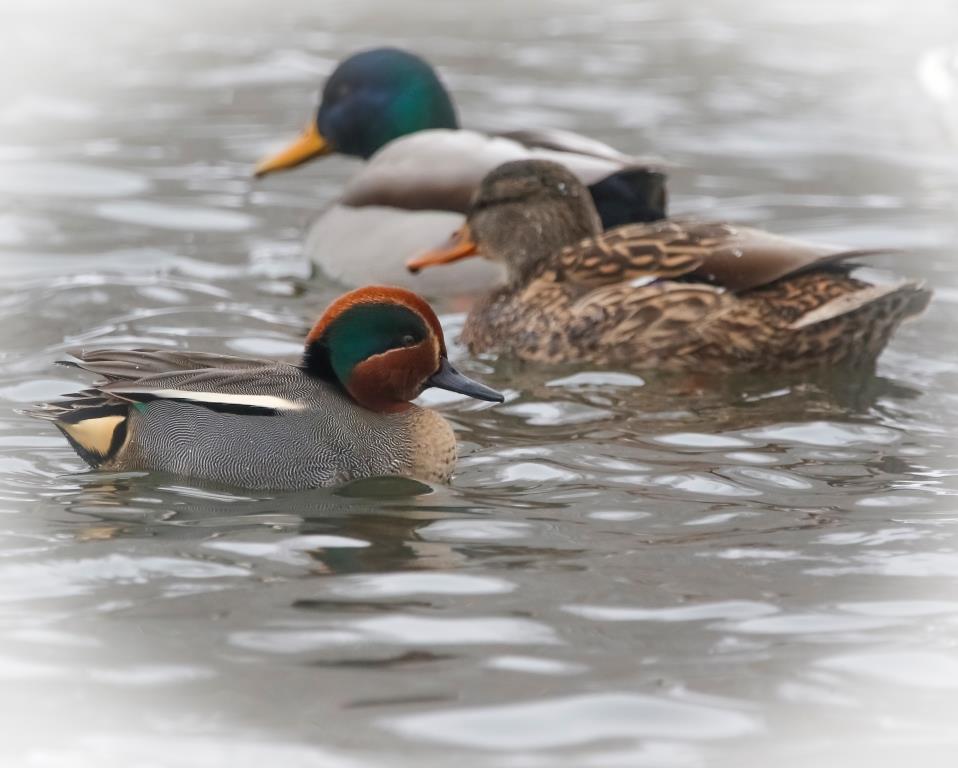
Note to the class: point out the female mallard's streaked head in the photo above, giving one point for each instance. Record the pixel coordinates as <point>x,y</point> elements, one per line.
<point>370,99</point>
<point>523,212</point>
<point>385,345</point>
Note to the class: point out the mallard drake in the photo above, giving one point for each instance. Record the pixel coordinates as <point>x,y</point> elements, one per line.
<point>343,412</point>
<point>389,108</point>
<point>673,295</point>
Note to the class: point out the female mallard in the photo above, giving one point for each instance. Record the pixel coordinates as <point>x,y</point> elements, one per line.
<point>389,108</point>
<point>342,413</point>
<point>670,295</point>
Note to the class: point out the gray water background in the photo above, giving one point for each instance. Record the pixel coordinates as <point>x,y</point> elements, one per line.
<point>624,571</point>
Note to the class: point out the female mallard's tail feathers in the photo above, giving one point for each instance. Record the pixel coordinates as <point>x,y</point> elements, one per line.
<point>855,326</point>
<point>891,303</point>
<point>95,427</point>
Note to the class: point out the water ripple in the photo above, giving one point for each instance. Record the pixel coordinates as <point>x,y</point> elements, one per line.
<point>575,720</point>
<point>731,609</point>
<point>610,541</point>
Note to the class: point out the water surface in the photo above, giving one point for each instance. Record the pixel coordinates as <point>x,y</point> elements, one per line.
<point>625,571</point>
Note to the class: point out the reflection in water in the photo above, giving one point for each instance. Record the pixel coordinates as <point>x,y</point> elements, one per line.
<point>577,720</point>
<point>626,570</point>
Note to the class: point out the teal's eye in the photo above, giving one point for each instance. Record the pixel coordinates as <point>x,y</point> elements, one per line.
<point>408,340</point>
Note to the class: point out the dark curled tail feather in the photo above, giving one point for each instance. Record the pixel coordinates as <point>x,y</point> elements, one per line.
<point>630,196</point>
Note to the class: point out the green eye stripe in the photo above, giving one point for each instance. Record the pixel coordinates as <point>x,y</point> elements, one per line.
<point>370,329</point>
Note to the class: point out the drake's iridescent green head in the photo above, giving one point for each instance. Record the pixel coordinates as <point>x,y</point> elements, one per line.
<point>384,346</point>
<point>370,99</point>
<point>376,96</point>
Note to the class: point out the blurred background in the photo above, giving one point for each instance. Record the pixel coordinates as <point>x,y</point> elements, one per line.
<point>621,573</point>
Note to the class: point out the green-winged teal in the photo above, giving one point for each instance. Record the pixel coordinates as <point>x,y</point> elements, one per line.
<point>342,412</point>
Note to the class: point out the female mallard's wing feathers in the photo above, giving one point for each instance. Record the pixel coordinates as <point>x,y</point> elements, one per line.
<point>733,257</point>
<point>742,258</point>
<point>636,252</point>
<point>628,324</point>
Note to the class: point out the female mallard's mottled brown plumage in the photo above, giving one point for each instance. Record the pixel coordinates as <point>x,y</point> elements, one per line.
<point>672,295</point>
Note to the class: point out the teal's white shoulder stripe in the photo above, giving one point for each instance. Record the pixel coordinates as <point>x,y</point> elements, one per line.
<point>224,398</point>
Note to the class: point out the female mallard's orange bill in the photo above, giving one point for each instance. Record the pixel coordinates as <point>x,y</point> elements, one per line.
<point>449,378</point>
<point>308,145</point>
<point>459,246</point>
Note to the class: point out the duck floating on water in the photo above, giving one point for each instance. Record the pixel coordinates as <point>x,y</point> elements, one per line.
<point>674,295</point>
<point>343,412</point>
<point>389,108</point>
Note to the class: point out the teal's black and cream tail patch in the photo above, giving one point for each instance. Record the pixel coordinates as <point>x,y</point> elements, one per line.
<point>96,420</point>
<point>95,427</point>
<point>96,434</point>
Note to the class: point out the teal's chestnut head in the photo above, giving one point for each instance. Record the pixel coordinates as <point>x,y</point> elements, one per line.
<point>384,346</point>
<point>371,98</point>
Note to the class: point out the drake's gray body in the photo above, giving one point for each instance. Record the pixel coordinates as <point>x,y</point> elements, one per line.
<point>248,422</point>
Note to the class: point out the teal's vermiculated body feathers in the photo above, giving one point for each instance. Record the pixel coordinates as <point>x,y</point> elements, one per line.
<point>271,425</point>
<point>342,413</point>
